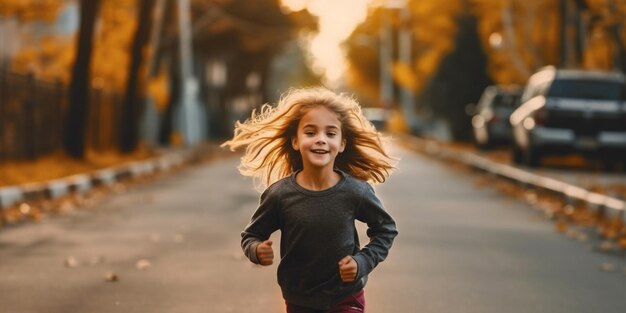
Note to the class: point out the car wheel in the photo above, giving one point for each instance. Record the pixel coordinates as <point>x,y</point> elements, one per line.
<point>516,155</point>
<point>484,145</point>
<point>531,157</point>
<point>610,164</point>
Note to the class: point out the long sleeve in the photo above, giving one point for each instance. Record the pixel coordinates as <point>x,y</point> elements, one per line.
<point>263,223</point>
<point>381,231</point>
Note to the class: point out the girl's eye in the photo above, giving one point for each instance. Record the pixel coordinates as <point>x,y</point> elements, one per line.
<point>309,133</point>
<point>331,134</point>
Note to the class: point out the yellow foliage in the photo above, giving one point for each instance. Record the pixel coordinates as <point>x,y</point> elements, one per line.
<point>159,91</point>
<point>404,75</point>
<point>396,122</point>
<point>29,10</point>
<point>52,58</point>
<point>24,60</point>
<point>428,62</point>
<point>532,39</point>
<point>111,53</point>
<point>599,52</point>
<point>433,25</point>
<point>518,36</point>
<point>367,87</point>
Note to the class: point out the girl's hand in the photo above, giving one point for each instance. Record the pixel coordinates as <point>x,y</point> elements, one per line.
<point>348,269</point>
<point>265,253</point>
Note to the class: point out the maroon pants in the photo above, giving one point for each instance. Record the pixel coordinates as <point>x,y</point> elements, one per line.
<point>352,304</point>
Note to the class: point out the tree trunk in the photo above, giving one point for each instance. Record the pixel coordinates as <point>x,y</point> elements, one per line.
<point>75,128</point>
<point>133,100</point>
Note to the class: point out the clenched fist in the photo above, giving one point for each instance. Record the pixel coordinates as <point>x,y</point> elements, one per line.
<point>348,269</point>
<point>265,253</point>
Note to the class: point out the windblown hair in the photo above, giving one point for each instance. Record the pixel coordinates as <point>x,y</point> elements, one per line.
<point>266,135</point>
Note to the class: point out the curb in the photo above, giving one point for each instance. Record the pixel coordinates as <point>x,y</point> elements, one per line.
<point>83,183</point>
<point>609,207</point>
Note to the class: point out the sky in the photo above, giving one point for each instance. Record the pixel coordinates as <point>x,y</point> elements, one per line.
<point>337,19</point>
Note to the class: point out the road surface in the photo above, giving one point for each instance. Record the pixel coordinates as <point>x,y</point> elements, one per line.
<point>173,246</point>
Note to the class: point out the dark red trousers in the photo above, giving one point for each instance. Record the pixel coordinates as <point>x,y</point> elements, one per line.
<point>352,304</point>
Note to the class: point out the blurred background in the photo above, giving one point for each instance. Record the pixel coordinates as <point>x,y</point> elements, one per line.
<point>495,107</point>
<point>91,78</point>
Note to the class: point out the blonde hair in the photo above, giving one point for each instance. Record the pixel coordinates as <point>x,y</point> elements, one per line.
<point>269,155</point>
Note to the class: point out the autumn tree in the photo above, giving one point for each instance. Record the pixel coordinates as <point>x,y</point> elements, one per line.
<point>75,128</point>
<point>521,36</point>
<point>233,32</point>
<point>510,38</point>
<point>136,83</point>
<point>433,26</point>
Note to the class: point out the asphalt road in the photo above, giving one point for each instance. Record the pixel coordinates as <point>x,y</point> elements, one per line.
<point>460,249</point>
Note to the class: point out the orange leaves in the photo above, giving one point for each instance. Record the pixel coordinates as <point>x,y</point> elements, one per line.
<point>112,43</point>
<point>405,76</point>
<point>526,36</point>
<point>158,89</point>
<point>530,35</point>
<point>51,57</point>
<point>433,26</point>
<point>28,10</point>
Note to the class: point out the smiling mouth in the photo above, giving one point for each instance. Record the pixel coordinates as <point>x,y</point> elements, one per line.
<point>318,151</point>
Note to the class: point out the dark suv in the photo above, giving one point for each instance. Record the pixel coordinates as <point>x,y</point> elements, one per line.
<point>490,123</point>
<point>564,111</point>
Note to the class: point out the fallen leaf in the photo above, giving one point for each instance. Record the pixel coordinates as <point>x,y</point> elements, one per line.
<point>111,276</point>
<point>97,259</point>
<point>179,238</point>
<point>560,226</point>
<point>606,246</point>
<point>608,267</point>
<point>71,262</point>
<point>143,264</point>
<point>154,237</point>
<point>622,242</point>
<point>571,233</point>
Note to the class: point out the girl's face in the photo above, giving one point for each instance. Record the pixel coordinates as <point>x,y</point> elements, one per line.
<point>319,138</point>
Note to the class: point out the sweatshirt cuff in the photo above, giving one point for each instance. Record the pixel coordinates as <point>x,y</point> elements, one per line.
<point>252,252</point>
<point>363,266</point>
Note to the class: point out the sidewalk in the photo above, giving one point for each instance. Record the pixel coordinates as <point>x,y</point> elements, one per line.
<point>13,198</point>
<point>601,204</point>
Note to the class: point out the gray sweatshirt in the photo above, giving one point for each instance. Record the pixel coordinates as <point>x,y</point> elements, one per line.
<point>317,230</point>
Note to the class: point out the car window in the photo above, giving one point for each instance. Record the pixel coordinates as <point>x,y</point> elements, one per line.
<point>586,89</point>
<point>510,100</point>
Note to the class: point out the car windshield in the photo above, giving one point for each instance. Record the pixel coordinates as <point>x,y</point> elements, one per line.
<point>506,100</point>
<point>587,89</point>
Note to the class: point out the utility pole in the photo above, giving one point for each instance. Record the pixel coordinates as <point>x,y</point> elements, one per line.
<point>407,97</point>
<point>386,60</point>
<point>150,118</point>
<point>190,116</point>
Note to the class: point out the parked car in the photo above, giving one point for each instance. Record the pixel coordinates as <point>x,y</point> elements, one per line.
<point>564,111</point>
<point>376,116</point>
<point>490,122</point>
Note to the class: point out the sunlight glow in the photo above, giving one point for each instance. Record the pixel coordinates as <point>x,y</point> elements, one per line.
<point>337,20</point>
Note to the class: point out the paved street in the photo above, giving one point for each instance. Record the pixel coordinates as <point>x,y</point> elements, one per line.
<point>460,249</point>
